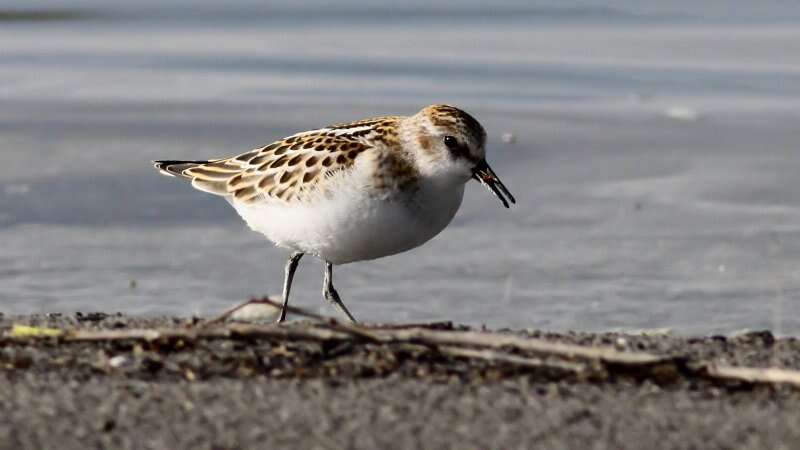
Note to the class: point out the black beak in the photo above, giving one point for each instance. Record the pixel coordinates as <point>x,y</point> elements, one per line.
<point>486,176</point>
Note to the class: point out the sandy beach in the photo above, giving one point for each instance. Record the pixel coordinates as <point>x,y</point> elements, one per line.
<point>246,392</point>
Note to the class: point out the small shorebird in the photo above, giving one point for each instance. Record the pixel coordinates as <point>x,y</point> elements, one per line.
<point>354,191</point>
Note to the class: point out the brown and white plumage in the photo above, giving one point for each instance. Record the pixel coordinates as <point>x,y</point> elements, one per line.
<point>291,168</point>
<point>354,191</point>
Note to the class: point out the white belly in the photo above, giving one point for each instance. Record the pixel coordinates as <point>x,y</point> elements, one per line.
<point>353,225</point>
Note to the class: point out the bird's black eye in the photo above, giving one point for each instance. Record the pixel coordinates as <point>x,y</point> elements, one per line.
<point>450,142</point>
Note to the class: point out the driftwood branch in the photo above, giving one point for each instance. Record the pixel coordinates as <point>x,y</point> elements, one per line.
<point>519,361</point>
<point>235,330</point>
<point>472,338</point>
<point>753,375</point>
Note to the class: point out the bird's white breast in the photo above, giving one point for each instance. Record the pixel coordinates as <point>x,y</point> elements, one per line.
<point>351,222</point>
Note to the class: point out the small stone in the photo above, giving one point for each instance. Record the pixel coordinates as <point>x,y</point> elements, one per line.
<point>118,361</point>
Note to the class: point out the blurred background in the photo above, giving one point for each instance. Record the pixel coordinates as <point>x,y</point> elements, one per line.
<point>652,147</point>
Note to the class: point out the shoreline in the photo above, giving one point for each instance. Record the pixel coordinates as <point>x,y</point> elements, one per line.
<point>244,386</point>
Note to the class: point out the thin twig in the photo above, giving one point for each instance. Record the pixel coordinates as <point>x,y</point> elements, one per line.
<point>473,338</point>
<point>519,361</point>
<point>495,341</point>
<point>753,375</point>
<point>232,330</point>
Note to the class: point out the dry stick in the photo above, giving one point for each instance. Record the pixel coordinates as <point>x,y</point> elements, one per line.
<point>450,340</point>
<point>473,338</point>
<point>753,375</point>
<point>221,332</point>
<point>514,360</point>
<point>233,330</point>
<point>305,313</point>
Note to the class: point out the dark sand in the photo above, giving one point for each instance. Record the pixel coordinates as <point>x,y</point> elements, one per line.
<point>262,394</point>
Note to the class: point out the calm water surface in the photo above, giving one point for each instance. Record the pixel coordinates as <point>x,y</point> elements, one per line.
<point>655,156</point>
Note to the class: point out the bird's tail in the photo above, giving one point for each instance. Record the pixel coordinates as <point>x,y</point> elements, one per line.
<point>172,168</point>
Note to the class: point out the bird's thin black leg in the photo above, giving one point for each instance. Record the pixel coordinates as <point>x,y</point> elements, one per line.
<point>330,294</point>
<point>291,266</point>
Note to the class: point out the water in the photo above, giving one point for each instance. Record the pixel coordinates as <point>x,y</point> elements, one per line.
<point>655,156</point>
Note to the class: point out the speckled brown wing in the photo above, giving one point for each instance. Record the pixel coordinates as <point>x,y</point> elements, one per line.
<point>283,170</point>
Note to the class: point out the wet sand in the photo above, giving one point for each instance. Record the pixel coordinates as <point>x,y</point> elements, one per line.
<point>267,393</point>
